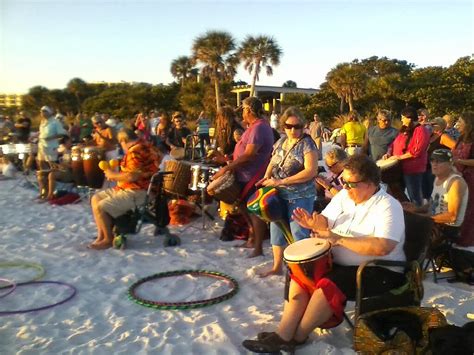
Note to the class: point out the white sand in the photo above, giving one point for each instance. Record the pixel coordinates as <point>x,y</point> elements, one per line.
<point>100,319</point>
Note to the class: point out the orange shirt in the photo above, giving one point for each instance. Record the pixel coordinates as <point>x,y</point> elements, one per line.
<point>140,158</point>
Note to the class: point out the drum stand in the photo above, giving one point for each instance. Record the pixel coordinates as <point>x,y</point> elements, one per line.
<point>206,218</point>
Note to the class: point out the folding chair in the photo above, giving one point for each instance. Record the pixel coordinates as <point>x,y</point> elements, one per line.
<point>149,211</point>
<point>418,230</point>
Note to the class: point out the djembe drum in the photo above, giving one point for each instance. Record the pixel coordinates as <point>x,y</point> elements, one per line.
<point>308,260</point>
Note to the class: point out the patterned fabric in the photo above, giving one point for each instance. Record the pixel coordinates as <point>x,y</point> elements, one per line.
<point>143,158</point>
<point>293,164</point>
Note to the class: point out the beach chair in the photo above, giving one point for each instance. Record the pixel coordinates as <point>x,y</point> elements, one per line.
<point>153,210</point>
<point>406,298</point>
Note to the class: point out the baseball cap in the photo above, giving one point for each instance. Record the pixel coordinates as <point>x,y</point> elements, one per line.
<point>442,155</point>
<point>47,109</point>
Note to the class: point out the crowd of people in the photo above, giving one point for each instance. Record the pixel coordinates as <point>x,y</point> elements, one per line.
<point>371,173</point>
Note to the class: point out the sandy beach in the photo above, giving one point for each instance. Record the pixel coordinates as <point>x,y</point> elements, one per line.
<point>100,319</point>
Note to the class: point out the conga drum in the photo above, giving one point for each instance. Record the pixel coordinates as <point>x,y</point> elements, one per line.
<point>90,160</point>
<point>177,183</point>
<point>308,261</point>
<point>390,170</point>
<point>77,166</point>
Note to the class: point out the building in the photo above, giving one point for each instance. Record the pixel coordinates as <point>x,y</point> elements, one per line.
<point>271,96</point>
<point>11,100</point>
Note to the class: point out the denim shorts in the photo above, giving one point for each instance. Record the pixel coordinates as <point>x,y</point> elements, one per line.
<point>298,232</point>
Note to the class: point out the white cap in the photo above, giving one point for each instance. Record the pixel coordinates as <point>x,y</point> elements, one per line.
<point>111,122</point>
<point>47,109</point>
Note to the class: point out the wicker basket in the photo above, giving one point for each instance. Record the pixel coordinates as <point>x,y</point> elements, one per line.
<point>367,343</point>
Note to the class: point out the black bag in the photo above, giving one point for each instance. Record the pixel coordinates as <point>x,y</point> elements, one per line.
<point>452,340</point>
<point>462,262</point>
<point>127,223</point>
<point>235,227</point>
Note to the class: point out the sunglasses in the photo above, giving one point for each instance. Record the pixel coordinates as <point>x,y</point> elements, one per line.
<point>290,126</point>
<point>330,166</point>
<point>350,184</point>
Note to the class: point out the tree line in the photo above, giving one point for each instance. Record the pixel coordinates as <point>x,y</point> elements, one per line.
<point>204,80</point>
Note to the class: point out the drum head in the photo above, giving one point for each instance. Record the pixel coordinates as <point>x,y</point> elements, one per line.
<point>386,163</point>
<point>306,249</point>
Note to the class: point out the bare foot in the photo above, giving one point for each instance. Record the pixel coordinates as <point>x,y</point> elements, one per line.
<point>255,253</point>
<point>269,273</point>
<point>244,245</point>
<point>100,246</point>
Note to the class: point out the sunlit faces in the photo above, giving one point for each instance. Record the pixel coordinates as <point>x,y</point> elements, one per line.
<point>358,190</point>
<point>461,126</point>
<point>440,168</point>
<point>293,127</point>
<point>383,121</point>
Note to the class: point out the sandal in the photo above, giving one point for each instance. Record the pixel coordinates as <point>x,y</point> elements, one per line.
<point>272,344</point>
<point>264,335</point>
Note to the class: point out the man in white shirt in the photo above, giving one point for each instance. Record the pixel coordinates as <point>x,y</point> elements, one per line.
<point>362,222</point>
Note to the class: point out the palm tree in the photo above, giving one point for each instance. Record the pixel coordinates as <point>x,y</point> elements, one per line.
<point>348,81</point>
<point>182,68</point>
<point>258,52</point>
<point>215,50</point>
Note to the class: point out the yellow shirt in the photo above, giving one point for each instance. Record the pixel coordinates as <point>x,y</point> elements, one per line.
<point>355,132</point>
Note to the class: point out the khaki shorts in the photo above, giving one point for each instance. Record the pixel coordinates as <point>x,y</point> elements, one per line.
<point>118,202</point>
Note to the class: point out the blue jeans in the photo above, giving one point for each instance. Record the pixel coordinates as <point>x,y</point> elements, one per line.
<point>298,232</point>
<point>413,182</point>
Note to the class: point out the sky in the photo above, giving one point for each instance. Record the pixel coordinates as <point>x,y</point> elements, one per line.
<point>47,42</point>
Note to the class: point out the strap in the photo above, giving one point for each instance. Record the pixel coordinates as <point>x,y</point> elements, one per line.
<point>291,148</point>
<point>252,181</point>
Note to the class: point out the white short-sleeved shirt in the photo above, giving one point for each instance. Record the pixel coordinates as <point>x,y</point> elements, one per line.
<point>381,216</point>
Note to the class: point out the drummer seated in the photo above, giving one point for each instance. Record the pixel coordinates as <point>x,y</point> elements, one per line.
<point>136,169</point>
<point>362,222</point>
<point>53,172</point>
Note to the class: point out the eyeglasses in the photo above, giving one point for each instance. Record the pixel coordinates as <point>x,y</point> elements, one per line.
<point>348,185</point>
<point>384,120</point>
<point>290,126</point>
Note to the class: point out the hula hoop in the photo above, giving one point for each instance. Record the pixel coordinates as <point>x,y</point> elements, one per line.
<point>41,271</point>
<point>11,286</point>
<point>132,295</point>
<point>73,293</point>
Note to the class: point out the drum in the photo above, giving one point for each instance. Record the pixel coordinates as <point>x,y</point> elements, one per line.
<point>77,166</point>
<point>224,188</point>
<point>226,209</point>
<point>390,171</point>
<point>91,157</point>
<point>308,260</point>
<point>200,176</point>
<point>177,153</point>
<point>177,183</point>
<point>8,149</point>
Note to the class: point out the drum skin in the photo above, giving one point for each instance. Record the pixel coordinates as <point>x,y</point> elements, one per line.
<point>90,160</point>
<point>77,166</point>
<point>308,260</point>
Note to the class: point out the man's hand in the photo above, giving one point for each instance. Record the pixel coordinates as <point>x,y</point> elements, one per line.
<point>303,218</point>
